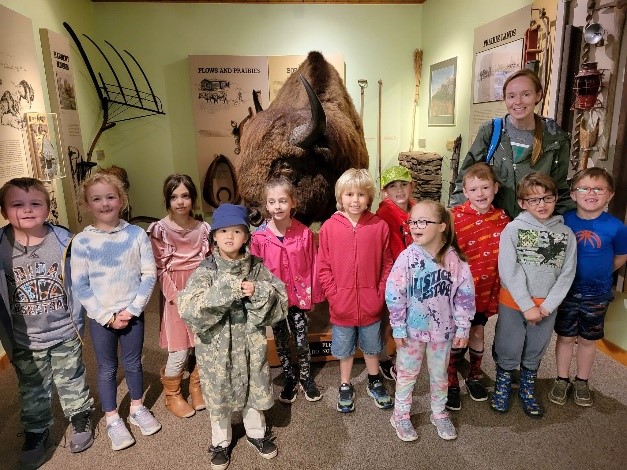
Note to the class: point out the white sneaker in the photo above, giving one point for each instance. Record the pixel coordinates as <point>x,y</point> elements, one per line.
<point>147,423</point>
<point>445,428</point>
<point>120,436</point>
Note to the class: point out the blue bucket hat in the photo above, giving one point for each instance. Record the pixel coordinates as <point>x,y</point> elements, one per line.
<point>227,215</point>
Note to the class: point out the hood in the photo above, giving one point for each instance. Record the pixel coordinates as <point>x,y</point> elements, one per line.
<point>364,219</point>
<point>121,226</point>
<point>526,217</point>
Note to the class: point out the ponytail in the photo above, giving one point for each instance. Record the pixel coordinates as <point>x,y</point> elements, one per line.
<point>537,140</point>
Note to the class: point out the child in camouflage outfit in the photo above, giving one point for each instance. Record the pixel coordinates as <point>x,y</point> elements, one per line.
<point>227,303</point>
<point>41,319</point>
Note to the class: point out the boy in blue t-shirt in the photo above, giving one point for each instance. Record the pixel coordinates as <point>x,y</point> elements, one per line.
<point>601,250</point>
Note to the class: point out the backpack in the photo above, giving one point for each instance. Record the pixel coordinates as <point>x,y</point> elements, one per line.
<point>497,126</point>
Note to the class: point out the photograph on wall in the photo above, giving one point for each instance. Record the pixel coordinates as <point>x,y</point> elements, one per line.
<point>442,81</point>
<point>42,138</point>
<point>222,90</point>
<point>492,67</point>
<point>281,67</point>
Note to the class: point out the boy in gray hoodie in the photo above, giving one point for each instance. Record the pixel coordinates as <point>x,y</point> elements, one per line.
<point>537,261</point>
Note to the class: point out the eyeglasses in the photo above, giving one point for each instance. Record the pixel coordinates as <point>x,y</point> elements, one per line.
<point>421,224</point>
<point>534,201</point>
<point>586,190</point>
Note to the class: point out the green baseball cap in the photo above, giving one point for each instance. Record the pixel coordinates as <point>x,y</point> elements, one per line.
<point>395,173</point>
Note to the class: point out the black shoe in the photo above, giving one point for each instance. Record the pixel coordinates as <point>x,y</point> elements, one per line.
<point>476,390</point>
<point>34,449</point>
<point>289,392</point>
<point>265,446</point>
<point>453,401</point>
<point>387,369</point>
<point>220,457</point>
<point>82,434</point>
<point>310,390</point>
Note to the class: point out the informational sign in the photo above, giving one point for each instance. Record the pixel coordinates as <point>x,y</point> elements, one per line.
<point>498,52</point>
<point>222,97</point>
<point>59,65</point>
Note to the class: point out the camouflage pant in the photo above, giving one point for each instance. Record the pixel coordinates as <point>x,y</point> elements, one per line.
<point>297,320</point>
<point>37,370</point>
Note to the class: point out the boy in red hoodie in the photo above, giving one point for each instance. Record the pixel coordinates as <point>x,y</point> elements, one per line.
<point>354,261</point>
<point>478,225</point>
<point>397,187</point>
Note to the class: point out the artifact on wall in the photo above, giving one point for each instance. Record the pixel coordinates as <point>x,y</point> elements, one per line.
<point>225,90</point>
<point>42,137</point>
<point>311,134</point>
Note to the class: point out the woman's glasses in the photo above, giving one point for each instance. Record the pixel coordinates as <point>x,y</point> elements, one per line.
<point>421,224</point>
<point>534,201</point>
<point>586,190</point>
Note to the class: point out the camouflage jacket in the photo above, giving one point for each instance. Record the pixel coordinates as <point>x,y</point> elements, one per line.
<point>230,330</point>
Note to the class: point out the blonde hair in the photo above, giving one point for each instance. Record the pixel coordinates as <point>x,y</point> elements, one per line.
<point>107,178</point>
<point>449,237</point>
<point>359,178</point>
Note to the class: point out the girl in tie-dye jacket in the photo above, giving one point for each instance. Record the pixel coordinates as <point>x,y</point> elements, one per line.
<point>431,299</point>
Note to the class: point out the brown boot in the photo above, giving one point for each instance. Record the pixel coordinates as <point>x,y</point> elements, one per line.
<point>198,402</point>
<point>174,401</point>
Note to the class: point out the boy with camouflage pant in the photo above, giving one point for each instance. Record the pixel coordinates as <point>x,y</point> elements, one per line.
<point>42,320</point>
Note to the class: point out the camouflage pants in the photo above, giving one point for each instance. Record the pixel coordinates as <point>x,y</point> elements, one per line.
<point>37,370</point>
<point>297,320</point>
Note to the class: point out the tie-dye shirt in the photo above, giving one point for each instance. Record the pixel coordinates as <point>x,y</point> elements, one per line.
<point>428,301</point>
<point>112,271</point>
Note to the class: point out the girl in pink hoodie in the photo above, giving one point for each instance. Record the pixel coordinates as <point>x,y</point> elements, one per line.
<point>289,252</point>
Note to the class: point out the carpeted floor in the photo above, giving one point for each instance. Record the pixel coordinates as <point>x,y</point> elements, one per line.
<point>316,436</point>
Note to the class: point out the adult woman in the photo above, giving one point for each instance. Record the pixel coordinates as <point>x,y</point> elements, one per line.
<point>528,143</point>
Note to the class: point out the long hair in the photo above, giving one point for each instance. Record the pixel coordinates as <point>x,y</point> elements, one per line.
<point>449,237</point>
<point>174,181</point>
<point>539,126</point>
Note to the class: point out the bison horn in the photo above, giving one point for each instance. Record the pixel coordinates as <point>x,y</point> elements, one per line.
<point>305,135</point>
<point>258,107</point>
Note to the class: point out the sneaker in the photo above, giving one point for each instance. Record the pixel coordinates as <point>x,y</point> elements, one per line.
<point>377,390</point>
<point>453,401</point>
<point>346,399</point>
<point>120,436</point>
<point>34,449</point>
<point>147,423</point>
<point>445,428</point>
<point>310,390</point>
<point>82,434</point>
<point>265,446</point>
<point>404,429</point>
<point>387,369</point>
<point>476,390</point>
<point>289,392</point>
<point>581,393</point>
<point>559,392</point>
<point>220,457</point>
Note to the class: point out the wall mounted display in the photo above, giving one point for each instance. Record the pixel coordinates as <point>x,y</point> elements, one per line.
<point>497,52</point>
<point>42,132</point>
<point>223,89</point>
<point>443,77</point>
<point>281,67</point>
<point>59,64</point>
<point>492,67</point>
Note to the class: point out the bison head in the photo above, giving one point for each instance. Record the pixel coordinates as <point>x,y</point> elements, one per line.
<point>311,134</point>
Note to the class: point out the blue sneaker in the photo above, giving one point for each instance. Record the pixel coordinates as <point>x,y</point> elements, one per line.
<point>377,390</point>
<point>346,399</point>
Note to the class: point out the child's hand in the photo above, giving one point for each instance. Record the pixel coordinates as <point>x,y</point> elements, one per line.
<point>125,315</point>
<point>544,312</point>
<point>400,342</point>
<point>533,315</point>
<point>460,342</point>
<point>248,288</point>
<point>119,323</point>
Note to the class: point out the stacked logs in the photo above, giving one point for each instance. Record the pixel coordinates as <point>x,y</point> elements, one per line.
<point>425,168</point>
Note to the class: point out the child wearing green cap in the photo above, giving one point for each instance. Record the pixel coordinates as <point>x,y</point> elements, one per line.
<point>396,202</point>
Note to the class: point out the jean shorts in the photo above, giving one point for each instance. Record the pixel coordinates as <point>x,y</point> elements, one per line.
<point>345,338</point>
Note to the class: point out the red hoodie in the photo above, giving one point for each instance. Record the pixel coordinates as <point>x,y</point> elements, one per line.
<point>353,267</point>
<point>478,236</point>
<point>396,218</point>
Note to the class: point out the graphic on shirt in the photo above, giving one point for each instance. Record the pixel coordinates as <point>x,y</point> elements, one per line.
<point>432,284</point>
<point>587,236</point>
<point>541,248</point>
<point>520,151</point>
<point>37,289</point>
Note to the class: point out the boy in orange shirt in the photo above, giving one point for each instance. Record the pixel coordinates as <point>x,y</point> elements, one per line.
<point>478,225</point>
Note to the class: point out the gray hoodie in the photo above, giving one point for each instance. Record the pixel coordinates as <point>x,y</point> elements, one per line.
<point>537,260</point>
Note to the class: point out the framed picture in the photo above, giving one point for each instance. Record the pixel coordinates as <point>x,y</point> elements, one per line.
<point>443,76</point>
